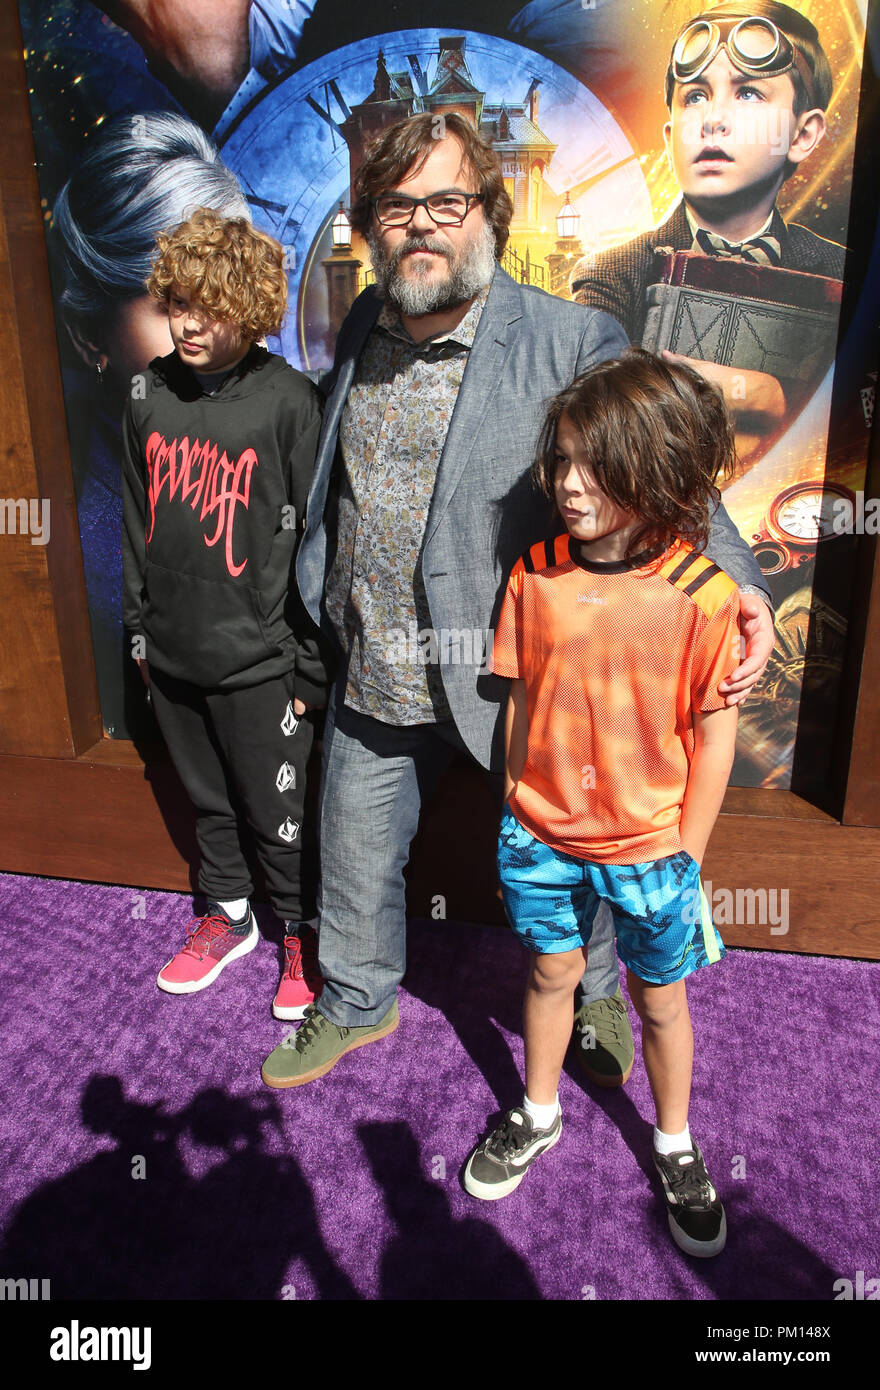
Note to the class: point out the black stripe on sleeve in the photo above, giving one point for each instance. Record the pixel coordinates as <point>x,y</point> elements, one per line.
<point>528,563</point>
<point>683,566</point>
<point>702,579</point>
<point>550,553</point>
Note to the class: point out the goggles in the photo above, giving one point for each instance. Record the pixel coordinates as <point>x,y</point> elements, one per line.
<point>753,44</point>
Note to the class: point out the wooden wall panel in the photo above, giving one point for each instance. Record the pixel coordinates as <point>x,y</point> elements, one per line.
<point>97,817</point>
<point>76,805</point>
<point>793,878</point>
<point>48,693</point>
<point>862,802</point>
<point>857,752</point>
<point>97,820</point>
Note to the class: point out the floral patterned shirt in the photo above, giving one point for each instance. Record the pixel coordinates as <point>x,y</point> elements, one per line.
<point>391,436</point>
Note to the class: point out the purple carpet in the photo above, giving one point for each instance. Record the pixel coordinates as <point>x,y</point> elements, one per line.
<point>145,1159</point>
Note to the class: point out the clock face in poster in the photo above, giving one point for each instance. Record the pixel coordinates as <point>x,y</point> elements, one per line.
<point>559,147</point>
<point>804,514</point>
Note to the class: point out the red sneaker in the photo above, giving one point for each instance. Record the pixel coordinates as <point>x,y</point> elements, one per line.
<point>301,981</point>
<point>210,945</point>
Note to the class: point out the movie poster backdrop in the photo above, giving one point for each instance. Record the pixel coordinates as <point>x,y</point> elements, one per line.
<point>134,123</point>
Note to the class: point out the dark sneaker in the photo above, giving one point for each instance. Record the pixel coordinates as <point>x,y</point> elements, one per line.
<point>212,942</point>
<point>696,1216</point>
<point>603,1040</point>
<point>500,1163</point>
<point>317,1045</point>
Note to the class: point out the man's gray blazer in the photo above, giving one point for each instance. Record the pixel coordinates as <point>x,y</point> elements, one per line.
<point>484,512</point>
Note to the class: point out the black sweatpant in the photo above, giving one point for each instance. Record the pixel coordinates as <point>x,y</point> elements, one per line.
<point>244,753</point>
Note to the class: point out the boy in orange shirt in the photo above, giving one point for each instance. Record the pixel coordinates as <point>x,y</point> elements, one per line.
<point>615,636</point>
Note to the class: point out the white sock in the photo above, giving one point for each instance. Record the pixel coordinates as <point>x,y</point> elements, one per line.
<point>541,1116</point>
<point>234,910</point>
<point>672,1143</point>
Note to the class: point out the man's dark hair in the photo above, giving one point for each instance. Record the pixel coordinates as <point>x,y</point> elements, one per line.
<point>658,439</point>
<point>402,150</point>
<point>796,27</point>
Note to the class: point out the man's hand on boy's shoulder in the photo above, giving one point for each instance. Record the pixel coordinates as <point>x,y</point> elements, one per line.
<point>745,392</point>
<point>756,627</point>
<point>756,402</point>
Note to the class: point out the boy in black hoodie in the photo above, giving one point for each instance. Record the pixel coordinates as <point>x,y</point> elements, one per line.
<point>219,446</point>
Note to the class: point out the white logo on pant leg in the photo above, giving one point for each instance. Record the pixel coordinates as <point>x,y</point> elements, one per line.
<point>286,778</point>
<point>289,723</point>
<point>288,830</point>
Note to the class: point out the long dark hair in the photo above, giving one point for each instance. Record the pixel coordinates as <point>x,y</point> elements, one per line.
<point>658,439</point>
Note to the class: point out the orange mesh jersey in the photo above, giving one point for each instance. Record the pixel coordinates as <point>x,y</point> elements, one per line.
<point>614,658</point>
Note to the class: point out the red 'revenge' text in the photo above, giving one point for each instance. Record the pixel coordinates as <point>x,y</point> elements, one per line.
<point>213,486</point>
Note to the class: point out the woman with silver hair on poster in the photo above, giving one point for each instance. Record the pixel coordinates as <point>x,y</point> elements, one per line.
<point>142,174</point>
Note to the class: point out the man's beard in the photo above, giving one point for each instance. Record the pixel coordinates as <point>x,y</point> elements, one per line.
<point>471,269</point>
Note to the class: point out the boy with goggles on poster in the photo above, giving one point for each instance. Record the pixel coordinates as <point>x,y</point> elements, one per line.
<point>746,87</point>
<point>754,45</point>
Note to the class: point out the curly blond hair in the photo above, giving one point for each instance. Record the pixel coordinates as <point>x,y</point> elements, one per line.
<point>234,271</point>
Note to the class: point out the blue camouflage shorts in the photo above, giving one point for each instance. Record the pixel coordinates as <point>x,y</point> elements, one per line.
<point>661,917</point>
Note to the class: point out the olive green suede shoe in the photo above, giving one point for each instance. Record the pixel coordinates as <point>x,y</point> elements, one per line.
<point>317,1045</point>
<point>603,1040</point>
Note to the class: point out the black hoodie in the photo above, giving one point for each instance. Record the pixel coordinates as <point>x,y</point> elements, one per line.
<point>214,492</point>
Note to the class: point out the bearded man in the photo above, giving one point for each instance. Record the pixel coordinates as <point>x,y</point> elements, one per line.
<point>421,504</point>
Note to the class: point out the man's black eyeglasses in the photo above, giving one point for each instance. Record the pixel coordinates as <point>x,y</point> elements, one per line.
<point>444,209</point>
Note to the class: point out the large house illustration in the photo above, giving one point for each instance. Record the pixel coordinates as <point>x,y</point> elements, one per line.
<point>532,254</point>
